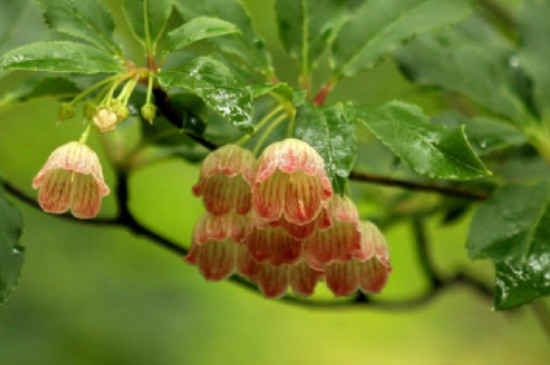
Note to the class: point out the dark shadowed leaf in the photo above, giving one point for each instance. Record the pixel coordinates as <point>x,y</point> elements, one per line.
<point>380,26</point>
<point>535,49</point>
<point>198,29</point>
<point>331,132</point>
<point>485,134</point>
<point>512,229</point>
<point>38,88</point>
<point>249,47</point>
<point>60,57</point>
<point>214,83</point>
<point>472,59</point>
<point>86,19</point>
<point>430,150</point>
<point>147,18</point>
<point>306,27</point>
<point>11,254</point>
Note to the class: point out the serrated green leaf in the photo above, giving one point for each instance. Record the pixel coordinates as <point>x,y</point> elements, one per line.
<point>214,83</point>
<point>11,254</point>
<point>331,132</point>
<point>249,47</point>
<point>535,49</point>
<point>485,134</point>
<point>306,27</point>
<point>198,29</point>
<point>60,57</point>
<point>147,18</point>
<point>471,59</point>
<point>42,87</point>
<point>430,150</point>
<point>380,26</point>
<point>512,229</point>
<point>86,19</point>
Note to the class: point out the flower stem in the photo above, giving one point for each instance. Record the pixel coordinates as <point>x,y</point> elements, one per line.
<point>92,88</point>
<point>260,125</point>
<point>85,134</point>
<point>267,132</point>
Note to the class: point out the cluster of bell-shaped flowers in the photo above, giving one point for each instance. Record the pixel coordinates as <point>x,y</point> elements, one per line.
<point>277,222</point>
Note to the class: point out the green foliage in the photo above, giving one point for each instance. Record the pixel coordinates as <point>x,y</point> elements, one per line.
<point>307,26</point>
<point>60,56</point>
<point>472,59</point>
<point>198,29</point>
<point>513,230</point>
<point>41,87</point>
<point>249,47</point>
<point>332,133</point>
<point>534,49</point>
<point>11,254</point>
<point>86,19</point>
<point>379,26</point>
<point>214,83</point>
<point>430,150</point>
<point>147,19</point>
<point>485,134</point>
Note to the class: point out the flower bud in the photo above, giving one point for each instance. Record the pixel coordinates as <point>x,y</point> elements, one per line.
<point>66,111</point>
<point>72,178</point>
<point>89,110</point>
<point>105,120</point>
<point>148,112</point>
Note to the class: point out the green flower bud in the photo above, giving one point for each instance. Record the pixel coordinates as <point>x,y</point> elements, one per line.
<point>89,110</point>
<point>148,112</point>
<point>66,111</point>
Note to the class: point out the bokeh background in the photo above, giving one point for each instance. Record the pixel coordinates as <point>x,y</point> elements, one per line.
<point>96,295</point>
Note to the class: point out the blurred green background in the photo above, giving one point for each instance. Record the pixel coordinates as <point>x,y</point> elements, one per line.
<point>91,295</point>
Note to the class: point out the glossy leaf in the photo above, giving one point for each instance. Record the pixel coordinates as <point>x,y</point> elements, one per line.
<point>430,150</point>
<point>380,26</point>
<point>306,27</point>
<point>86,19</point>
<point>43,87</point>
<point>331,132</point>
<point>60,57</point>
<point>198,29</point>
<point>513,230</point>
<point>11,254</point>
<point>471,59</point>
<point>535,49</point>
<point>485,134</point>
<point>249,47</point>
<point>147,18</point>
<point>214,83</point>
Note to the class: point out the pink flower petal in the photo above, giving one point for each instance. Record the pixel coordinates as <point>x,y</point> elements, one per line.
<point>342,278</point>
<point>85,197</point>
<point>373,275</point>
<point>303,279</point>
<point>273,280</point>
<point>55,191</point>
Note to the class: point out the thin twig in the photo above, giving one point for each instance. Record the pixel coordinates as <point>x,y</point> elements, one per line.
<point>412,185</point>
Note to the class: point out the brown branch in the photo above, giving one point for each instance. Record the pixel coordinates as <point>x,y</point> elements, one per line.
<point>126,219</point>
<point>412,185</point>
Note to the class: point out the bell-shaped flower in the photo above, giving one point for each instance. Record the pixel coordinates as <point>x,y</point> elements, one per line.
<point>368,271</point>
<point>72,178</point>
<point>274,246</point>
<point>302,231</point>
<point>215,245</point>
<point>290,182</point>
<point>341,241</point>
<point>225,180</point>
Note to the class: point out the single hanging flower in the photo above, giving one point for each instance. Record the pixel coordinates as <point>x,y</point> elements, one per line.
<point>225,181</point>
<point>105,120</point>
<point>215,245</point>
<point>72,178</point>
<point>368,271</point>
<point>290,183</point>
<point>341,241</point>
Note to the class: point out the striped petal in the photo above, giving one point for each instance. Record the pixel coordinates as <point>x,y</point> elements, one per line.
<point>274,246</point>
<point>342,278</point>
<point>373,275</point>
<point>85,196</point>
<point>55,191</point>
<point>303,279</point>
<point>273,280</point>
<point>215,260</point>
